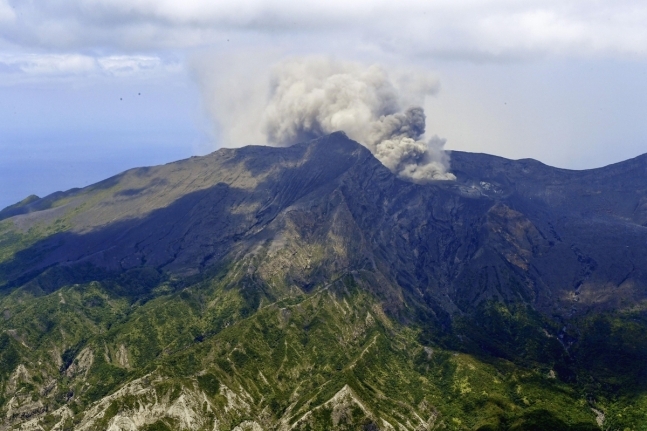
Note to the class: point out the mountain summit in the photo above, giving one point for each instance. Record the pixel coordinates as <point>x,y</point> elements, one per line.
<point>308,287</point>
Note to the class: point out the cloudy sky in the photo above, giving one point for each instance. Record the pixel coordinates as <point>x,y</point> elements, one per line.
<point>89,88</point>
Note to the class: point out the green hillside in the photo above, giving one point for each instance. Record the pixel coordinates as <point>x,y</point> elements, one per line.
<point>190,357</point>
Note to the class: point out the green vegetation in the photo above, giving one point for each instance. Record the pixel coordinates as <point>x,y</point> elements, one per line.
<point>517,333</point>
<point>330,358</point>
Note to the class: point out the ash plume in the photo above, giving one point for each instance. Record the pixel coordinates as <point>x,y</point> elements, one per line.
<point>310,97</point>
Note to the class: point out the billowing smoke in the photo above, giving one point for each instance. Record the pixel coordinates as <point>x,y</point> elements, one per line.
<point>311,97</point>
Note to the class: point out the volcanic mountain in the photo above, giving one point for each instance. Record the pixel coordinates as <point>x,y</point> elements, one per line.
<point>308,287</point>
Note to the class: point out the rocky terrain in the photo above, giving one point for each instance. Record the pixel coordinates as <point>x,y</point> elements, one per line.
<point>308,287</point>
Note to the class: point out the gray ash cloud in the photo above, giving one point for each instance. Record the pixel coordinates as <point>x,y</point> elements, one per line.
<point>309,97</point>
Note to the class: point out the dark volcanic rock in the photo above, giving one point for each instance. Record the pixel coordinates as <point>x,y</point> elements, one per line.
<point>563,241</point>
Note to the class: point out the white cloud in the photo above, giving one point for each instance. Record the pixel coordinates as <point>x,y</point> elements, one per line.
<point>50,64</point>
<point>128,65</point>
<point>57,65</point>
<point>468,28</point>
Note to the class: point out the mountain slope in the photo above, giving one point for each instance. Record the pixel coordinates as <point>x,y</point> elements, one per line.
<point>309,287</point>
<point>561,239</point>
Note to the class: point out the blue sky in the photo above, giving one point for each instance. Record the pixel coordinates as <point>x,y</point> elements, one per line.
<point>89,88</point>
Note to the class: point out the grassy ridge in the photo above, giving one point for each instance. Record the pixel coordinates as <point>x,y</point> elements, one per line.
<point>286,359</point>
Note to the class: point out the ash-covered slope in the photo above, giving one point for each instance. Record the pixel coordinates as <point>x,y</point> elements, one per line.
<point>183,216</point>
<point>564,241</point>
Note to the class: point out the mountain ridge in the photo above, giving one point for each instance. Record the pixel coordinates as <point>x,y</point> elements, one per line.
<point>35,203</point>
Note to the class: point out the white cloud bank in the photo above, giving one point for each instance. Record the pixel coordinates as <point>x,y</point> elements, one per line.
<point>474,29</point>
<point>53,65</point>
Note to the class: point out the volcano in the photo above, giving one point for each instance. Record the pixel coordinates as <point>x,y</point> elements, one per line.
<point>308,287</point>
